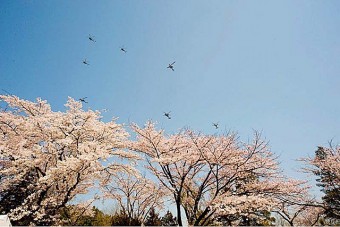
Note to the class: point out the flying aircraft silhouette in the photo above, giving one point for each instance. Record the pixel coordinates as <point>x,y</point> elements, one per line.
<point>91,38</point>
<point>85,62</point>
<point>215,125</point>
<point>123,49</point>
<point>83,100</point>
<point>171,66</point>
<point>167,114</point>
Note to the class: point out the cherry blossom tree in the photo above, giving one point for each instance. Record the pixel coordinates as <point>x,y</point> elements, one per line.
<point>47,157</point>
<point>305,210</point>
<point>300,214</point>
<point>135,195</point>
<point>212,175</point>
<point>299,208</point>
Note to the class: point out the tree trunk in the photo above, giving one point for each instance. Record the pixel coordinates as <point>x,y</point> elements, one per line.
<point>179,216</point>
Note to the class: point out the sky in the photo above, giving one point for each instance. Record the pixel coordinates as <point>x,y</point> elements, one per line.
<point>271,66</point>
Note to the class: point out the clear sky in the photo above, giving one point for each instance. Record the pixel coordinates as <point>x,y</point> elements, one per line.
<point>272,66</point>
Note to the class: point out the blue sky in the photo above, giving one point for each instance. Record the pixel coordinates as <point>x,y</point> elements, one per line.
<point>272,66</point>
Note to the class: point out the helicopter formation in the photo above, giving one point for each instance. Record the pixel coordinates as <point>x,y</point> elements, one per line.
<point>123,49</point>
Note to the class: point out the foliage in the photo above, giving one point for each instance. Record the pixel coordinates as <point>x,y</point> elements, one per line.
<point>307,213</point>
<point>262,218</point>
<point>16,194</point>
<point>122,219</point>
<point>73,215</point>
<point>168,219</point>
<point>153,218</point>
<point>214,175</point>
<point>135,195</point>
<point>326,166</point>
<point>47,158</point>
<point>52,157</point>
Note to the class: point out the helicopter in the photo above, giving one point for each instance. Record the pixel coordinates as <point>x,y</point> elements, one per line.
<point>83,100</point>
<point>123,49</point>
<point>171,66</point>
<point>85,62</point>
<point>167,114</point>
<point>91,38</point>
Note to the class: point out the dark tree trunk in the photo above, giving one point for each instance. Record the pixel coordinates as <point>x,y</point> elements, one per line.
<point>179,216</point>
